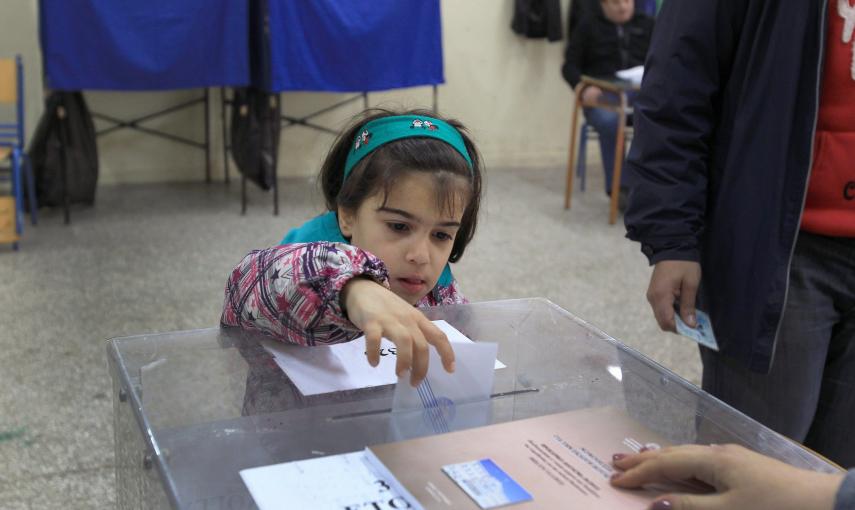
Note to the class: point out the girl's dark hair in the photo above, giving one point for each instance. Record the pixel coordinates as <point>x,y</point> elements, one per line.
<point>380,169</point>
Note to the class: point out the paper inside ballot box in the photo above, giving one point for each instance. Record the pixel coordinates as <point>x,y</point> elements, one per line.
<point>563,460</point>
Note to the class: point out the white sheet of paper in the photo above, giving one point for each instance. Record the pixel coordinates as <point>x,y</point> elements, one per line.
<point>334,482</point>
<point>633,74</point>
<point>330,368</point>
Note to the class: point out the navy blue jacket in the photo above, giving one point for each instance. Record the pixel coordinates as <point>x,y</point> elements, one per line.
<point>718,169</point>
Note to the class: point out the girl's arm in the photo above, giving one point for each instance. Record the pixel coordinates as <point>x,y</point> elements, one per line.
<point>292,292</point>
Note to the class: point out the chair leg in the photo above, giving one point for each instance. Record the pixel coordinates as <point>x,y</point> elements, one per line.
<point>571,158</point>
<point>31,190</point>
<point>17,191</point>
<point>619,153</point>
<point>582,159</point>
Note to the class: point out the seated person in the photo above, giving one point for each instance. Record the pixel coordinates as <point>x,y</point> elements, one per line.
<point>579,7</point>
<point>604,41</point>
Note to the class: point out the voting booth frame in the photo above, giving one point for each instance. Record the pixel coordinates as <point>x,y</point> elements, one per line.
<point>226,102</point>
<point>287,121</point>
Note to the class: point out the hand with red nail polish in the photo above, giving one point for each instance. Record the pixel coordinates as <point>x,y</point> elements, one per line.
<point>735,477</point>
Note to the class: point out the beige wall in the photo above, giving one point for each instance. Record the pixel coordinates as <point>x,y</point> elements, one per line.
<point>19,36</point>
<point>508,90</point>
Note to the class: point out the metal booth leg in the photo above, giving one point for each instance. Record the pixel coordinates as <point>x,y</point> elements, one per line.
<point>207,104</point>
<point>223,105</point>
<point>277,98</point>
<point>63,146</point>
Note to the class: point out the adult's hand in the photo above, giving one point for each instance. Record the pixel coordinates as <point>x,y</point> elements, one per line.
<point>741,479</point>
<point>379,313</point>
<point>674,280</point>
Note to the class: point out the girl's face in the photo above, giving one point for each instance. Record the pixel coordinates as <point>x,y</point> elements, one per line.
<point>409,233</point>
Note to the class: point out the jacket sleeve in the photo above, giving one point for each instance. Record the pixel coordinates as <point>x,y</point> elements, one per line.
<point>845,499</point>
<point>675,116</point>
<point>648,24</point>
<point>291,292</point>
<point>574,53</point>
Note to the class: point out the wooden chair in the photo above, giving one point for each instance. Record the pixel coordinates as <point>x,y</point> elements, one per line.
<point>620,89</point>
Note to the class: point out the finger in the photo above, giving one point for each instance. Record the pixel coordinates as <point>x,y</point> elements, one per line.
<point>626,461</point>
<point>373,335</point>
<point>689,502</point>
<point>421,358</point>
<point>681,464</point>
<point>439,340</point>
<point>404,342</point>
<point>688,293</point>
<point>661,300</point>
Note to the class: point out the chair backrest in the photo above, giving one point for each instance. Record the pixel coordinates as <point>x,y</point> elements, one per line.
<point>12,92</point>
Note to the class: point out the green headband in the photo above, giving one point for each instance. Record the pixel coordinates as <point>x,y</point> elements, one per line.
<point>381,131</point>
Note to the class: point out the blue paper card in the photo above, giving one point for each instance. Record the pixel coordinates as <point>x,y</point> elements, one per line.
<point>703,333</point>
<point>486,483</point>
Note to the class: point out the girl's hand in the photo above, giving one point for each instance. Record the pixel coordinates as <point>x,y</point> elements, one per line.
<point>378,312</point>
<point>741,479</point>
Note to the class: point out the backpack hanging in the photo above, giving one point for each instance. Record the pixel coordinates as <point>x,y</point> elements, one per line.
<point>254,136</point>
<point>64,141</point>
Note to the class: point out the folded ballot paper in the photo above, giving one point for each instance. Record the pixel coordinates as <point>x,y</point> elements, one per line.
<point>330,368</point>
<point>446,401</point>
<point>556,461</point>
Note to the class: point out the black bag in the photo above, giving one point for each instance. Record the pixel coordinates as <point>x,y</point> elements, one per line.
<point>254,137</point>
<point>76,132</point>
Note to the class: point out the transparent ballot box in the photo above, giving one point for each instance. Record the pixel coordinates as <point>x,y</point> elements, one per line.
<point>193,408</point>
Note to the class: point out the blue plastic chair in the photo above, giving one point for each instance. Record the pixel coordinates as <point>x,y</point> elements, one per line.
<point>12,141</point>
<point>585,132</point>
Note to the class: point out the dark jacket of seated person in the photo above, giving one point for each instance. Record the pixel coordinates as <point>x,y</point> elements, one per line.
<point>605,40</point>
<point>599,47</point>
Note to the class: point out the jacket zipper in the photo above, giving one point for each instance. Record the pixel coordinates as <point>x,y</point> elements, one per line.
<point>822,38</point>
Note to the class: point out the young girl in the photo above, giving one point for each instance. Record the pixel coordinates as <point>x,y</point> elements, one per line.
<point>402,194</point>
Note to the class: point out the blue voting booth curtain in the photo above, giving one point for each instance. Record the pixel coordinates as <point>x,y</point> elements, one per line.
<point>144,44</point>
<point>350,45</point>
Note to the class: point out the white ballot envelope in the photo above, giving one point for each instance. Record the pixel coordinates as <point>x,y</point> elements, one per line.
<point>324,369</point>
<point>446,401</point>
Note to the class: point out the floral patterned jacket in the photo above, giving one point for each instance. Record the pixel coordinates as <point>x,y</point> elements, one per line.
<point>292,291</point>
